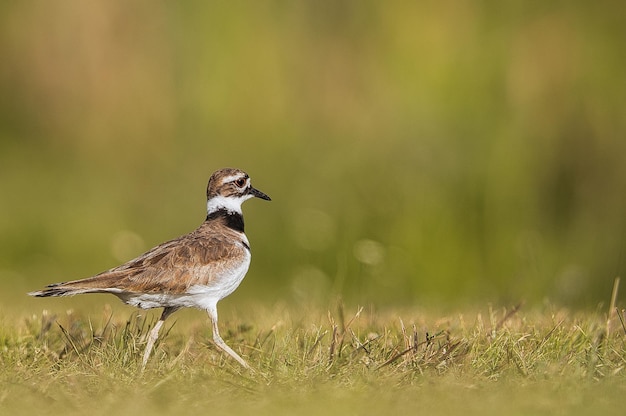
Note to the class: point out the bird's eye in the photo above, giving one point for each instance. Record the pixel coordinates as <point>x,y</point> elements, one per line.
<point>240,182</point>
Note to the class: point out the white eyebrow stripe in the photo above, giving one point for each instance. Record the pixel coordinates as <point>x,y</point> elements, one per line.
<point>233,178</point>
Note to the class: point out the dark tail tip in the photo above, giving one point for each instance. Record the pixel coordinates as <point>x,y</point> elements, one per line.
<point>50,290</point>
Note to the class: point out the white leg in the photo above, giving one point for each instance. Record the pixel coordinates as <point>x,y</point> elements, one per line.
<point>154,334</point>
<point>220,342</point>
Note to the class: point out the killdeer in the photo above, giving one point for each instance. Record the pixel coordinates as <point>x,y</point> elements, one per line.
<point>195,270</point>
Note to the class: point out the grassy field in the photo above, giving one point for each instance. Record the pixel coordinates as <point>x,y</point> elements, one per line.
<point>426,158</point>
<point>342,360</point>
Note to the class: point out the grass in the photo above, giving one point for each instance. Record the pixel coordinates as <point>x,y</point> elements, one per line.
<point>412,150</point>
<point>345,360</point>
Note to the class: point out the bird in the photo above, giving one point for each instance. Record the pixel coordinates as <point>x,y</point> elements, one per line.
<point>197,269</point>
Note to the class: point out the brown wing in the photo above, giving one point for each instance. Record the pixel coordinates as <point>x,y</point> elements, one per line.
<point>171,267</point>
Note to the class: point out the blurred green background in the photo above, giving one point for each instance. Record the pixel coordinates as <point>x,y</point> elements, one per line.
<point>416,152</point>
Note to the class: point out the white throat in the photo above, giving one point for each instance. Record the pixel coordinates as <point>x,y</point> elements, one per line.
<point>231,203</point>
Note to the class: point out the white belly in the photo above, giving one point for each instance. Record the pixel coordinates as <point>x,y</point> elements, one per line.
<point>199,296</point>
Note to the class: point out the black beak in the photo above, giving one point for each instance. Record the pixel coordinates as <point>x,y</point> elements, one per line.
<point>258,194</point>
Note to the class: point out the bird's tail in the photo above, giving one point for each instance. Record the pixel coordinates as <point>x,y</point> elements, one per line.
<point>59,289</point>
